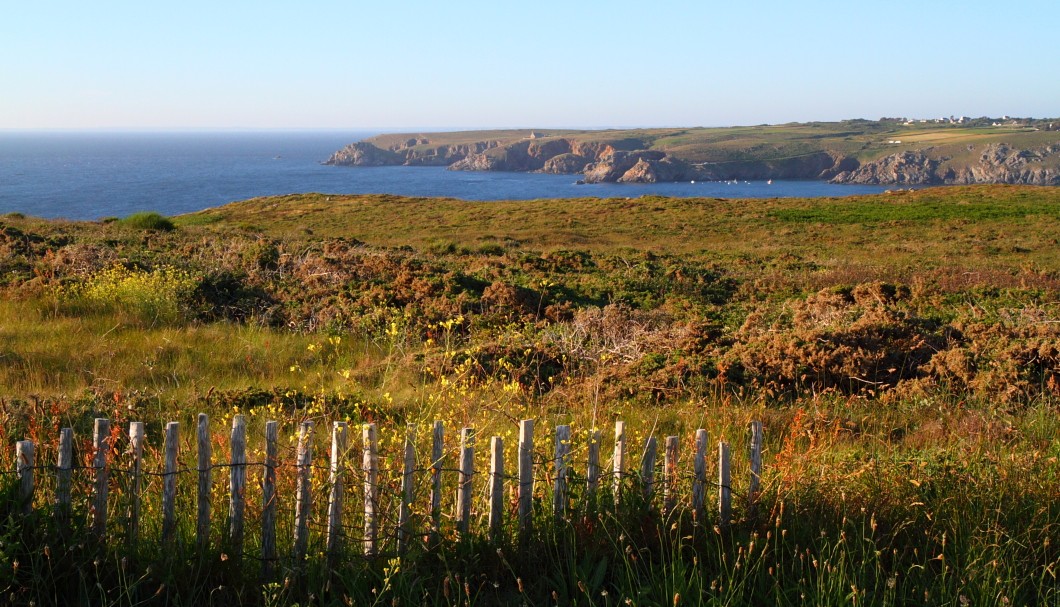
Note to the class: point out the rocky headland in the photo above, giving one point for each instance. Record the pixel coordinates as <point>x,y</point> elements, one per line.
<point>648,156</point>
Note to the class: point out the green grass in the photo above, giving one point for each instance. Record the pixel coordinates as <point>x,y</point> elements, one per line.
<point>947,224</point>
<point>148,221</point>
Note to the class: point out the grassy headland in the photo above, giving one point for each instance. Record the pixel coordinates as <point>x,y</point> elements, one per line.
<point>903,351</point>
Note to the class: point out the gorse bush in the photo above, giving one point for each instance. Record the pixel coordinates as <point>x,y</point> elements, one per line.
<point>148,221</point>
<point>158,296</point>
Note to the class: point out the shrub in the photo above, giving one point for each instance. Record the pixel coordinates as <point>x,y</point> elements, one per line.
<point>148,221</point>
<point>159,296</point>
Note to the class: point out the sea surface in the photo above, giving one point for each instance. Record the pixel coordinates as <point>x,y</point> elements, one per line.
<point>79,175</point>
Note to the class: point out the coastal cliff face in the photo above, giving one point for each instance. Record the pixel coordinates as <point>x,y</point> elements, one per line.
<point>627,160</point>
<point>411,152</point>
<point>997,163</point>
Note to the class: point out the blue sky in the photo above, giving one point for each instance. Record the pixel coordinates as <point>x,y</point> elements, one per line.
<point>383,65</point>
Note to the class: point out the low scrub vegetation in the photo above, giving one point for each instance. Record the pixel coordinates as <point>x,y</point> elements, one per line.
<point>906,366</point>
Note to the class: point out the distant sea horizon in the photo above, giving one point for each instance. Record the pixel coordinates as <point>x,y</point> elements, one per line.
<point>90,175</point>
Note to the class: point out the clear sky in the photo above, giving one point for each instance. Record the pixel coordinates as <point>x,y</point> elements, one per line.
<point>161,64</point>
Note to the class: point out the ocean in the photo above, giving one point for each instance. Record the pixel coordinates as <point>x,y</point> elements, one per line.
<point>89,176</point>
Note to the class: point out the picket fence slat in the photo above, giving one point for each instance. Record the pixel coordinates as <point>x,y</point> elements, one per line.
<point>670,476</point>
<point>100,445</point>
<point>496,488</point>
<point>24,462</point>
<point>437,459</point>
<point>169,482</point>
<point>756,466</point>
<point>724,485</point>
<point>202,524</point>
<point>303,498</point>
<point>408,489</point>
<point>699,474</point>
<point>559,492</point>
<point>526,475</point>
<point>337,481</point>
<point>467,473</point>
<point>370,468</point>
<point>63,476</point>
<point>136,450</point>
<point>268,501</point>
<point>592,472</point>
<point>237,486</point>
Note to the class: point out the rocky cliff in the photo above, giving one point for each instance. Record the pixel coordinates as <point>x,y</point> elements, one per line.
<point>996,163</point>
<point>411,152</point>
<point>632,160</point>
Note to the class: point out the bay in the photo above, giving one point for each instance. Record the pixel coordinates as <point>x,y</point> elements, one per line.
<point>92,175</point>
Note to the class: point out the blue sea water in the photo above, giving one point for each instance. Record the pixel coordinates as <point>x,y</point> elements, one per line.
<point>78,175</point>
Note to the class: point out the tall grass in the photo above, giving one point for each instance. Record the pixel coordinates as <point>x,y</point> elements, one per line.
<point>841,521</point>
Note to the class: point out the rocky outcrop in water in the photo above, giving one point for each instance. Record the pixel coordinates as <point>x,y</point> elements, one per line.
<point>638,166</point>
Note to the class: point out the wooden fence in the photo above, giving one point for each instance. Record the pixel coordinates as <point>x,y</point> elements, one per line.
<point>411,472</point>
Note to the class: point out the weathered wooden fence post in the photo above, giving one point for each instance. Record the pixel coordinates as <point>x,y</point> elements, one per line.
<point>467,472</point>
<point>100,444</point>
<point>337,481</point>
<point>699,476</point>
<point>559,493</point>
<point>592,472</point>
<point>64,471</point>
<point>408,489</point>
<point>303,491</point>
<point>202,525</point>
<point>237,485</point>
<point>525,489</point>
<point>724,485</point>
<point>496,488</point>
<point>670,476</point>
<point>756,466</point>
<point>24,461</point>
<point>647,468</point>
<point>136,449</point>
<point>370,468</point>
<point>437,458</point>
<point>169,482</point>
<point>619,458</point>
<point>268,501</point>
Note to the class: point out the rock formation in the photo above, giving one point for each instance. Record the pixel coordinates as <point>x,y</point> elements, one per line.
<point>628,160</point>
<point>997,163</point>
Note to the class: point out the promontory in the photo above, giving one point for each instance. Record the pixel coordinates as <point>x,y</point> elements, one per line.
<point>897,151</point>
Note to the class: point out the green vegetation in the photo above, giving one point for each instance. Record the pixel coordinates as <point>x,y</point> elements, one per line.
<point>147,221</point>
<point>902,350</point>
